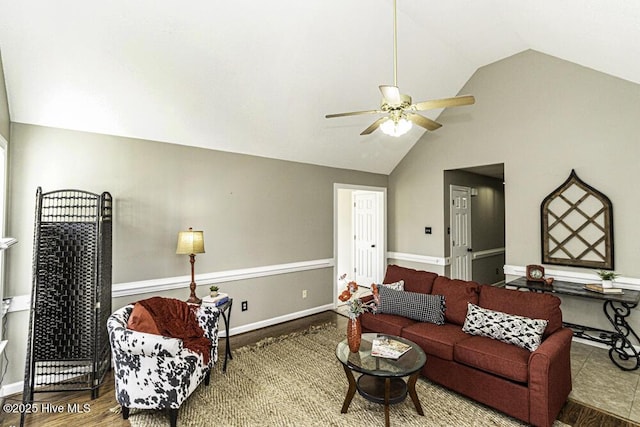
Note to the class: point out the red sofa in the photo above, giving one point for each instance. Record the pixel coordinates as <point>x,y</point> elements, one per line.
<point>530,386</point>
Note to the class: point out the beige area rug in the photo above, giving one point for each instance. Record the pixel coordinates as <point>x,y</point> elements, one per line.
<point>296,380</point>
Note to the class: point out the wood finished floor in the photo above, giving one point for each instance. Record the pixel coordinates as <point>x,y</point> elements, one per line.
<point>100,415</point>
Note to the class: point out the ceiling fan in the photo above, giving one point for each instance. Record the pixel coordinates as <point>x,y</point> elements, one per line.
<point>399,112</point>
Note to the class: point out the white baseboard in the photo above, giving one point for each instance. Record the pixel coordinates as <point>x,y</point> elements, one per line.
<point>598,344</point>
<point>14,388</point>
<point>273,321</point>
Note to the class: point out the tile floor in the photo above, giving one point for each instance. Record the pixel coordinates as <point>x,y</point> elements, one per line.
<point>597,382</point>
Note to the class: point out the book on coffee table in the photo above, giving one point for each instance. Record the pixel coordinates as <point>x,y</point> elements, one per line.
<point>388,348</point>
<point>598,288</point>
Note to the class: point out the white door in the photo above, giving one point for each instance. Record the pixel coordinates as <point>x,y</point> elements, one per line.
<point>367,241</point>
<point>460,232</point>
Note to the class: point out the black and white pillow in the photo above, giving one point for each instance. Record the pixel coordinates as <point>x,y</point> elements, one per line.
<point>414,305</point>
<point>518,330</point>
<point>396,286</point>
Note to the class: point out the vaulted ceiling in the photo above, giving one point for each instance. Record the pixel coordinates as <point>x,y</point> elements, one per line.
<point>258,77</point>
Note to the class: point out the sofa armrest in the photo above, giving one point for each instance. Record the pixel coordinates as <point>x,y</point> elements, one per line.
<point>366,298</point>
<point>550,377</point>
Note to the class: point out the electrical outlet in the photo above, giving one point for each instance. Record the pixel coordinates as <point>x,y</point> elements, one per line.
<point>304,293</point>
<point>244,306</point>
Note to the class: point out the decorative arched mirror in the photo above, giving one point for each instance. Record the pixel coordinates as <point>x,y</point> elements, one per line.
<point>577,226</point>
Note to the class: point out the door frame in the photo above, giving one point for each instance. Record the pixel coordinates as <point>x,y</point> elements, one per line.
<point>336,218</point>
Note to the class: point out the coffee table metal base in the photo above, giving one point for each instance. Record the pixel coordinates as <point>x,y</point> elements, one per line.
<point>386,391</point>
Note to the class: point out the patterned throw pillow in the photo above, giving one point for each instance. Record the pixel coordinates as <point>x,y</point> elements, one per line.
<point>519,330</point>
<point>396,286</point>
<point>414,305</point>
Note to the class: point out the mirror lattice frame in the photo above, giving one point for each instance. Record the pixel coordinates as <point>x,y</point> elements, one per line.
<point>577,226</point>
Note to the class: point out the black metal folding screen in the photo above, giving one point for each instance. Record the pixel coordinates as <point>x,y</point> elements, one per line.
<point>68,348</point>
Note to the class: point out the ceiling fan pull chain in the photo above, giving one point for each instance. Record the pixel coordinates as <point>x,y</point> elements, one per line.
<point>395,44</point>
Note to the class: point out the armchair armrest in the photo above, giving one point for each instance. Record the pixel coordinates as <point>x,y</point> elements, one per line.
<point>208,317</point>
<point>151,345</point>
<point>144,344</point>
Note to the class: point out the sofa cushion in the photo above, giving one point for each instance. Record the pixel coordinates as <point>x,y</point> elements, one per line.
<point>457,294</point>
<point>435,340</point>
<point>518,330</point>
<point>495,357</point>
<point>414,305</point>
<point>528,304</point>
<point>414,280</point>
<point>389,324</point>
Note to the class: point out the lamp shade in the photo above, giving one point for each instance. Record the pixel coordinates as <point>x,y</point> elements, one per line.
<point>190,242</point>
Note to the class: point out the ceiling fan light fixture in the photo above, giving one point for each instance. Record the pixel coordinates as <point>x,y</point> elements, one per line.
<point>399,110</point>
<point>397,127</point>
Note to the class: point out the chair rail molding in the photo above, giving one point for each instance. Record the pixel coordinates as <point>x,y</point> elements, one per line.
<point>486,253</point>
<point>422,259</point>
<point>23,302</point>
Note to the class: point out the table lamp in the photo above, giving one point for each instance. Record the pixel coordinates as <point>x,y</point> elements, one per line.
<point>191,243</point>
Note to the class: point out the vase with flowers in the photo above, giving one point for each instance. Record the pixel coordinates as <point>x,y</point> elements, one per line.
<point>355,307</point>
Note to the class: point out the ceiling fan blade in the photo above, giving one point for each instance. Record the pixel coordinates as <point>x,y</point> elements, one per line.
<point>423,121</point>
<point>352,113</point>
<point>445,102</point>
<point>375,125</point>
<point>391,94</point>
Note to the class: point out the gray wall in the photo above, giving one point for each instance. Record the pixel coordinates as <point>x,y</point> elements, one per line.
<point>541,117</point>
<point>487,222</point>
<point>4,105</point>
<point>254,212</point>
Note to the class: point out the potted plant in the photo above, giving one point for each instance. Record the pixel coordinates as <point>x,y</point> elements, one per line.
<point>607,278</point>
<point>213,291</point>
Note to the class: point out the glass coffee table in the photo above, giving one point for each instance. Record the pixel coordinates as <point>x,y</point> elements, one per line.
<point>382,380</point>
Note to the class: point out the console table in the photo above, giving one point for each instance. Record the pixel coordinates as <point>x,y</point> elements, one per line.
<point>617,308</point>
<point>225,310</point>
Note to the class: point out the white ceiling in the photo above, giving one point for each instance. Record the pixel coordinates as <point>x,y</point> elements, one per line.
<point>258,77</point>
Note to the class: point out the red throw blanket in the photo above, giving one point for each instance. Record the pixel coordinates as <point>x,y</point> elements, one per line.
<point>175,319</point>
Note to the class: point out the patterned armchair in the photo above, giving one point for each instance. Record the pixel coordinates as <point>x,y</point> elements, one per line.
<point>157,372</point>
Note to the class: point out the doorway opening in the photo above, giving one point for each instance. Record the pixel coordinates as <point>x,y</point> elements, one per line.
<point>360,235</point>
<point>475,220</point>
